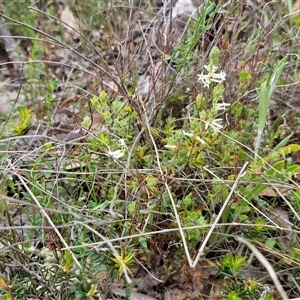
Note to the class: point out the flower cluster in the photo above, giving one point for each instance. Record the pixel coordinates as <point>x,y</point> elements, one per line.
<point>212,120</point>
<point>214,125</point>
<point>118,153</point>
<point>210,117</point>
<point>212,76</point>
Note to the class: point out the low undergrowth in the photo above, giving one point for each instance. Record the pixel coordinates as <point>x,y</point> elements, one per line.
<point>210,175</point>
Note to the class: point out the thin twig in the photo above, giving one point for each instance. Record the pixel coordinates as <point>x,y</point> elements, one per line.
<point>43,212</point>
<point>163,231</point>
<point>201,250</point>
<point>164,177</point>
<point>285,200</point>
<point>246,200</point>
<point>120,88</point>
<point>113,250</point>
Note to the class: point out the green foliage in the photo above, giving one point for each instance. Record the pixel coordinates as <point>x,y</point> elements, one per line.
<point>231,265</point>
<point>191,217</point>
<point>22,13</point>
<point>123,261</point>
<point>237,286</point>
<point>183,54</point>
<point>24,121</point>
<point>265,94</point>
<point>125,176</point>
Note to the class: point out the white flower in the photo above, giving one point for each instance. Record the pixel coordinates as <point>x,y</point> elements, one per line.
<point>187,133</point>
<point>122,142</point>
<point>115,154</point>
<point>192,135</point>
<point>204,79</point>
<point>170,146</point>
<point>222,106</point>
<point>200,140</point>
<point>212,76</point>
<point>214,125</point>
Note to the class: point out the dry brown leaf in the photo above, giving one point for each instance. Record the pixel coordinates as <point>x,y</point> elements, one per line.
<point>287,239</point>
<point>68,18</point>
<point>270,192</point>
<point>5,108</point>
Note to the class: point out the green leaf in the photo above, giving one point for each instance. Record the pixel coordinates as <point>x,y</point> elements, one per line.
<point>269,296</point>
<point>209,9</point>
<point>274,77</point>
<point>283,142</point>
<point>244,75</point>
<point>283,152</point>
<point>151,181</point>
<point>67,261</point>
<point>265,94</point>
<point>263,104</point>
<point>277,167</point>
<point>270,243</point>
<point>218,93</point>
<point>292,148</point>
<point>143,242</point>
<point>294,169</point>
<point>131,207</point>
<point>214,55</point>
<point>255,191</point>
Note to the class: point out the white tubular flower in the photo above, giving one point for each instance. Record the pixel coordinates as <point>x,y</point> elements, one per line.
<point>212,76</point>
<point>170,146</point>
<point>118,153</point>
<point>222,106</point>
<point>200,140</point>
<point>192,135</point>
<point>214,125</point>
<point>115,154</point>
<point>219,78</point>
<point>187,134</point>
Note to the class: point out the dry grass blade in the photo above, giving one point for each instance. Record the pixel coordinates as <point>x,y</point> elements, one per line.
<point>43,212</point>
<point>232,191</point>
